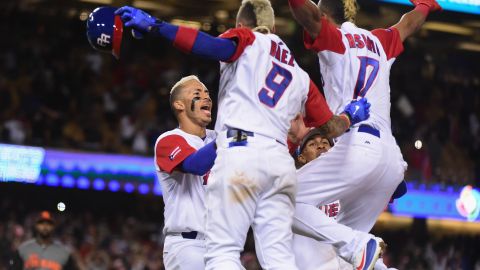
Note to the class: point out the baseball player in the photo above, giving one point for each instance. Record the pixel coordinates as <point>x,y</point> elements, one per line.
<point>366,165</point>
<point>183,157</point>
<point>262,88</point>
<point>309,253</point>
<point>43,252</point>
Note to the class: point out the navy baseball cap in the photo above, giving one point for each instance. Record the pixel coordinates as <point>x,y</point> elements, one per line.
<point>105,30</point>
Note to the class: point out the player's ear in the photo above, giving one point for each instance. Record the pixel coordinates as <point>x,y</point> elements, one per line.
<point>179,105</point>
<point>302,159</point>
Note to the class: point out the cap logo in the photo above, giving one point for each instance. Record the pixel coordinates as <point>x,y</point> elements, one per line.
<point>45,215</point>
<point>103,40</point>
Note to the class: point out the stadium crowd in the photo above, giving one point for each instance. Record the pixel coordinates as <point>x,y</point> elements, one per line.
<point>55,91</point>
<point>121,237</point>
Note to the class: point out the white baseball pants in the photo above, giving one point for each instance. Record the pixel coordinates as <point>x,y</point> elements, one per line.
<point>252,185</point>
<point>183,254</point>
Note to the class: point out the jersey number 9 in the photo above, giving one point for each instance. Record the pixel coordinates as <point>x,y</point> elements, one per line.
<point>277,81</point>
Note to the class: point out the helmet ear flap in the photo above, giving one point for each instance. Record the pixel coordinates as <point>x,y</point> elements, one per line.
<point>105,30</point>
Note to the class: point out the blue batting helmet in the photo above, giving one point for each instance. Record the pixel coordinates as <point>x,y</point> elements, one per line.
<point>104,30</point>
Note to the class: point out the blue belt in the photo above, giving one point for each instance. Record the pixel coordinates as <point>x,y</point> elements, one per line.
<point>369,129</point>
<point>239,137</point>
<point>190,235</point>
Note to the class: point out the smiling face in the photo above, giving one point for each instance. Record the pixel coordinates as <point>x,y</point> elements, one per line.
<point>313,148</point>
<point>192,103</point>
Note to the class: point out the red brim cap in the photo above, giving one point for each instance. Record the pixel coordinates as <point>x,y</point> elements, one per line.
<point>117,36</point>
<point>45,216</point>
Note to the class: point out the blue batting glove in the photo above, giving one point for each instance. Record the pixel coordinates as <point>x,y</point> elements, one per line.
<point>357,111</point>
<point>137,34</point>
<point>136,18</point>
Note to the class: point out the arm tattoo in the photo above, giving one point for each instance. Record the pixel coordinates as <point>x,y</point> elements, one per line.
<point>335,127</point>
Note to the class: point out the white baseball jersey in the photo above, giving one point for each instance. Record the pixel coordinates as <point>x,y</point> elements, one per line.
<point>183,193</point>
<point>264,89</point>
<point>356,63</point>
<point>365,166</point>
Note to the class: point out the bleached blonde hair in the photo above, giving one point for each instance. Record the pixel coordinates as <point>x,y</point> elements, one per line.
<point>340,10</point>
<point>264,15</point>
<point>182,81</point>
<point>350,9</point>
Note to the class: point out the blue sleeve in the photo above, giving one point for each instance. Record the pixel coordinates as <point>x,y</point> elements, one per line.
<point>200,162</point>
<point>205,45</point>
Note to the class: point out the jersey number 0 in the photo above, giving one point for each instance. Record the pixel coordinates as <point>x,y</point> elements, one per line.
<point>362,87</point>
<point>277,81</point>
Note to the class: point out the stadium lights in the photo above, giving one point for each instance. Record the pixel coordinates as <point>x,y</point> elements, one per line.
<point>191,24</point>
<point>103,2</point>
<point>114,186</point>
<point>151,5</point>
<point>68,181</point>
<point>469,46</point>
<point>448,28</point>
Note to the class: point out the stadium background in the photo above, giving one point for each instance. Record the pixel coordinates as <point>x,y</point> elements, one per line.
<point>57,93</point>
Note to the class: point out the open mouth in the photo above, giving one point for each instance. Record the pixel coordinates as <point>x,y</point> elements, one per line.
<point>206,109</point>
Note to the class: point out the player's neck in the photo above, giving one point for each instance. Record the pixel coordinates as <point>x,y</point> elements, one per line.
<point>44,241</point>
<point>193,129</point>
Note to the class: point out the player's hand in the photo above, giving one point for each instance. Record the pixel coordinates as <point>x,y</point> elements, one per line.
<point>297,129</point>
<point>431,4</point>
<point>139,20</point>
<point>357,111</point>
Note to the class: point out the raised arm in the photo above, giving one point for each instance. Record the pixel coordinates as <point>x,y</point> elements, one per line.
<point>186,39</point>
<point>412,21</point>
<point>308,15</point>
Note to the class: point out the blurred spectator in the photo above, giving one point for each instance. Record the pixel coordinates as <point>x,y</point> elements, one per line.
<point>42,252</point>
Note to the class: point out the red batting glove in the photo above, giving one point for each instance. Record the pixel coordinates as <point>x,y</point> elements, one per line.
<point>431,4</point>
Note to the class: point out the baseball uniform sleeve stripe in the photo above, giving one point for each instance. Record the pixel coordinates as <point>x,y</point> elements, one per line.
<point>244,38</point>
<point>317,111</point>
<point>196,42</point>
<point>390,40</point>
<point>329,39</point>
<point>171,151</point>
<point>185,38</point>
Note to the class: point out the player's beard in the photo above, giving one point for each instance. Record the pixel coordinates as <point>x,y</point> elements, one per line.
<point>45,235</point>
